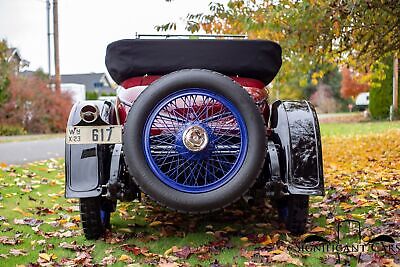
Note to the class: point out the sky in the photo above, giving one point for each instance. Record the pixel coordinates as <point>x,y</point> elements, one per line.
<point>86,27</point>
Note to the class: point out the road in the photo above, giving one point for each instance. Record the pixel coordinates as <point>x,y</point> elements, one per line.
<point>28,151</point>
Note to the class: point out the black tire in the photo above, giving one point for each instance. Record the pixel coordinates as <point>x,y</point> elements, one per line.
<point>95,216</point>
<point>218,198</point>
<point>293,212</point>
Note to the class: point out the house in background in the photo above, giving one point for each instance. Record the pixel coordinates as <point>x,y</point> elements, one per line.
<point>15,60</point>
<point>93,82</point>
<point>77,85</point>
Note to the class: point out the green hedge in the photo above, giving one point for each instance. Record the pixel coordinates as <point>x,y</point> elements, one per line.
<point>11,130</point>
<point>380,98</point>
<point>108,94</point>
<point>92,95</point>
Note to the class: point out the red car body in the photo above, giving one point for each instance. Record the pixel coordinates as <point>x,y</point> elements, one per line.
<point>131,89</point>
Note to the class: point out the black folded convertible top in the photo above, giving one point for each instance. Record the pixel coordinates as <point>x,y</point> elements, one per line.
<point>256,59</point>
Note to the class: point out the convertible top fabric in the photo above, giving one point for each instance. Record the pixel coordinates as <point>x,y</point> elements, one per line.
<point>256,59</point>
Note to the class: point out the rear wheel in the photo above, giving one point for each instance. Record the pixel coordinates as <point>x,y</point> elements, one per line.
<point>293,212</point>
<point>95,216</point>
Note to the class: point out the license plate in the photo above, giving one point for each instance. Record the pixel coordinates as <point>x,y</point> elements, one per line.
<point>110,134</point>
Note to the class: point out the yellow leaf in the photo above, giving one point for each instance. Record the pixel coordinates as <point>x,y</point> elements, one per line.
<point>76,218</point>
<point>314,81</point>
<point>47,257</point>
<point>244,239</point>
<point>346,206</point>
<point>358,216</point>
<point>267,241</point>
<point>229,229</point>
<point>125,258</point>
<point>62,221</point>
<point>18,209</point>
<point>318,229</point>
<point>155,223</point>
<point>276,251</point>
<point>168,251</point>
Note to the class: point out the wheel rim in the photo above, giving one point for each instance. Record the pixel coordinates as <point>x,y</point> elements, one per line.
<point>105,217</point>
<point>195,140</point>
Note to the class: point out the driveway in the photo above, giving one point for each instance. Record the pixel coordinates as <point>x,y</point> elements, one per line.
<point>28,151</point>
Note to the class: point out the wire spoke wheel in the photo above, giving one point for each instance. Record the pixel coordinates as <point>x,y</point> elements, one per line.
<point>195,140</point>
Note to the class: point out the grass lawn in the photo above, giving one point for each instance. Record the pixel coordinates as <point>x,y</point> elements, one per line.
<point>358,128</point>
<point>362,172</point>
<point>21,138</point>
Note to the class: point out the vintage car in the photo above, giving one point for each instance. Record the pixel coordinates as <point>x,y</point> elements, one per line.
<point>192,129</point>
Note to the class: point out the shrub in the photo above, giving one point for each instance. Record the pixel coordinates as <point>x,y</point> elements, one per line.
<point>5,68</point>
<point>11,130</point>
<point>108,94</point>
<point>92,95</point>
<point>33,106</point>
<point>323,100</point>
<point>381,94</point>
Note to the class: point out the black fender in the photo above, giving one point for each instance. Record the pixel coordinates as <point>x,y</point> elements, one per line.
<point>87,166</point>
<point>296,134</point>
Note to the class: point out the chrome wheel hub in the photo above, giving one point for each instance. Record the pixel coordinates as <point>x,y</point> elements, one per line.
<point>195,138</point>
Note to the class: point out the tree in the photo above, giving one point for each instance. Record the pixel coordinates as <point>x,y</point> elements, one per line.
<point>381,93</point>
<point>323,99</point>
<point>4,72</point>
<point>357,33</point>
<point>351,87</point>
<point>39,73</point>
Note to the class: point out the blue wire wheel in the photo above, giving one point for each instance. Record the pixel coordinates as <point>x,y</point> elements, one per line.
<point>195,140</point>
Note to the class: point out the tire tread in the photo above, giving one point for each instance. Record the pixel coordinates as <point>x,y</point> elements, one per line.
<point>93,227</point>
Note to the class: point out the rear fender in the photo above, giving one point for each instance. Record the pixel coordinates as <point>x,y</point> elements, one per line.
<point>296,132</point>
<point>87,166</point>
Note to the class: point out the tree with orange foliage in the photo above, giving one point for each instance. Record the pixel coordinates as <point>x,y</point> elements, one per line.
<point>351,86</point>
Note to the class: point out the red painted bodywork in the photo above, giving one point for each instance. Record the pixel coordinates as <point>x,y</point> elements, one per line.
<point>135,85</point>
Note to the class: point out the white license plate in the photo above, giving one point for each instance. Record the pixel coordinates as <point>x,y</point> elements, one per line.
<point>110,134</point>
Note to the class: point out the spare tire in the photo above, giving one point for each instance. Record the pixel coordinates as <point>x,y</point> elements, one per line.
<point>194,141</point>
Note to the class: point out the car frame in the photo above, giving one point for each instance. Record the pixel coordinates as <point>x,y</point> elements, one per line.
<point>191,127</point>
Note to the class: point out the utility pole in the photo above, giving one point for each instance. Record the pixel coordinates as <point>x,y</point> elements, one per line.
<point>48,5</point>
<point>56,46</point>
<point>395,84</point>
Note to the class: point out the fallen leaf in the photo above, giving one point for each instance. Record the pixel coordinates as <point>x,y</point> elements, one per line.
<point>125,258</point>
<point>155,223</point>
<point>18,209</point>
<point>109,260</point>
<point>286,258</point>
<point>318,229</point>
<point>17,252</point>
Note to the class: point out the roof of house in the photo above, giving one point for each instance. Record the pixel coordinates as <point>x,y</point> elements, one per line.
<point>90,80</point>
<point>13,53</point>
